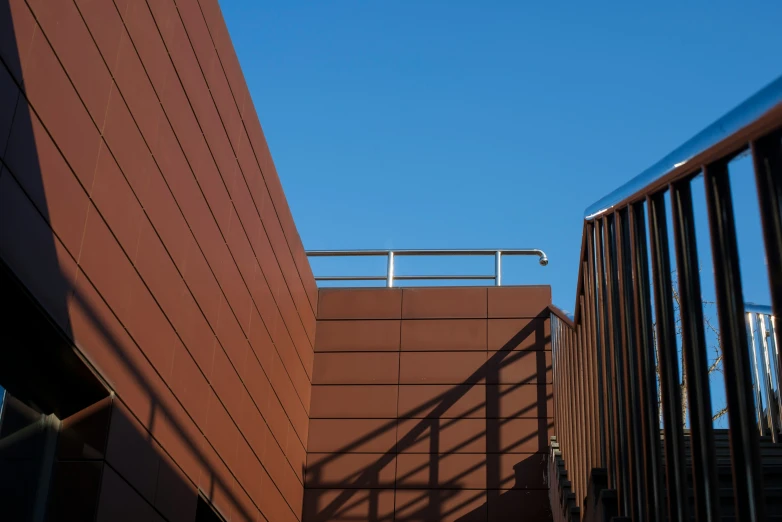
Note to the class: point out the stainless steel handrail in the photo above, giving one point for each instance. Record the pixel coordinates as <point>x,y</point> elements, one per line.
<point>390,277</point>
<point>746,113</point>
<point>758,308</point>
<point>761,334</point>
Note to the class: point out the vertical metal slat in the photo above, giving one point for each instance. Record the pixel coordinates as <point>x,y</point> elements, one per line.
<point>755,371</point>
<point>745,454</point>
<point>629,355</point>
<point>767,156</point>
<point>654,510</point>
<point>614,354</point>
<point>595,318</point>
<point>580,413</point>
<point>667,353</point>
<point>587,347</point>
<point>771,401</point>
<point>694,350</point>
<point>589,315</point>
<point>610,451</point>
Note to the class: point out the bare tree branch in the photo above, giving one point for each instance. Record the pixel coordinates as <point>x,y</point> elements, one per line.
<point>715,366</point>
<point>720,413</point>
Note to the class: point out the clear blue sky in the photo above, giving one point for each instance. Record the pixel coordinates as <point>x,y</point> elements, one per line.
<point>490,124</point>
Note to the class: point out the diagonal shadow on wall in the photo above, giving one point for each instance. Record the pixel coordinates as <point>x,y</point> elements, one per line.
<point>439,501</point>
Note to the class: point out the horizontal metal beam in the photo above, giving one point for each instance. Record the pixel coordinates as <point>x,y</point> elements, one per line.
<point>350,278</point>
<point>430,252</point>
<point>408,278</point>
<point>758,309</point>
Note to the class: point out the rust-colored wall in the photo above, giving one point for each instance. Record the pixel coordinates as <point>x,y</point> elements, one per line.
<point>430,404</point>
<point>140,207</point>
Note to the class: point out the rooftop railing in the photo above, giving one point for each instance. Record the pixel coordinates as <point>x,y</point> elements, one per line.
<point>391,277</point>
<point>628,334</point>
<point>765,361</point>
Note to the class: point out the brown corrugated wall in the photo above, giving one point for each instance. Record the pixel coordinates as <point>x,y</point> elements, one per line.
<point>140,207</point>
<point>430,404</point>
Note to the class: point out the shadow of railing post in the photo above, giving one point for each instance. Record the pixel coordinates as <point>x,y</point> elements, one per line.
<point>431,426</point>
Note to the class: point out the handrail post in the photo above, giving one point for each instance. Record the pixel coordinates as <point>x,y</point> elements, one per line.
<point>773,422</point>
<point>774,351</point>
<point>390,270</point>
<point>498,268</point>
<point>751,329</point>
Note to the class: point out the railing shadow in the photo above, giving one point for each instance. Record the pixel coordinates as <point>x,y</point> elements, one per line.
<point>41,367</point>
<point>439,501</point>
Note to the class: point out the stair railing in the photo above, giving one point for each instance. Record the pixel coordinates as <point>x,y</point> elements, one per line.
<point>622,340</point>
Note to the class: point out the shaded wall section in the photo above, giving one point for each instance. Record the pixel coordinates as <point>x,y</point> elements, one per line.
<point>140,208</point>
<point>430,404</point>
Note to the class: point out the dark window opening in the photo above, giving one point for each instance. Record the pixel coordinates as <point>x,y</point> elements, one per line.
<point>54,415</point>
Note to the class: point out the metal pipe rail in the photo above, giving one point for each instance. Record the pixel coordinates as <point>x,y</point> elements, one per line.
<point>390,276</point>
<point>607,360</point>
<point>765,361</point>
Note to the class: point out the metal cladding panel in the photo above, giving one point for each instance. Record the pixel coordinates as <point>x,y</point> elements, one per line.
<point>140,208</point>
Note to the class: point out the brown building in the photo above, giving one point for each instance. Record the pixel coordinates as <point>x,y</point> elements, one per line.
<point>167,354</point>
